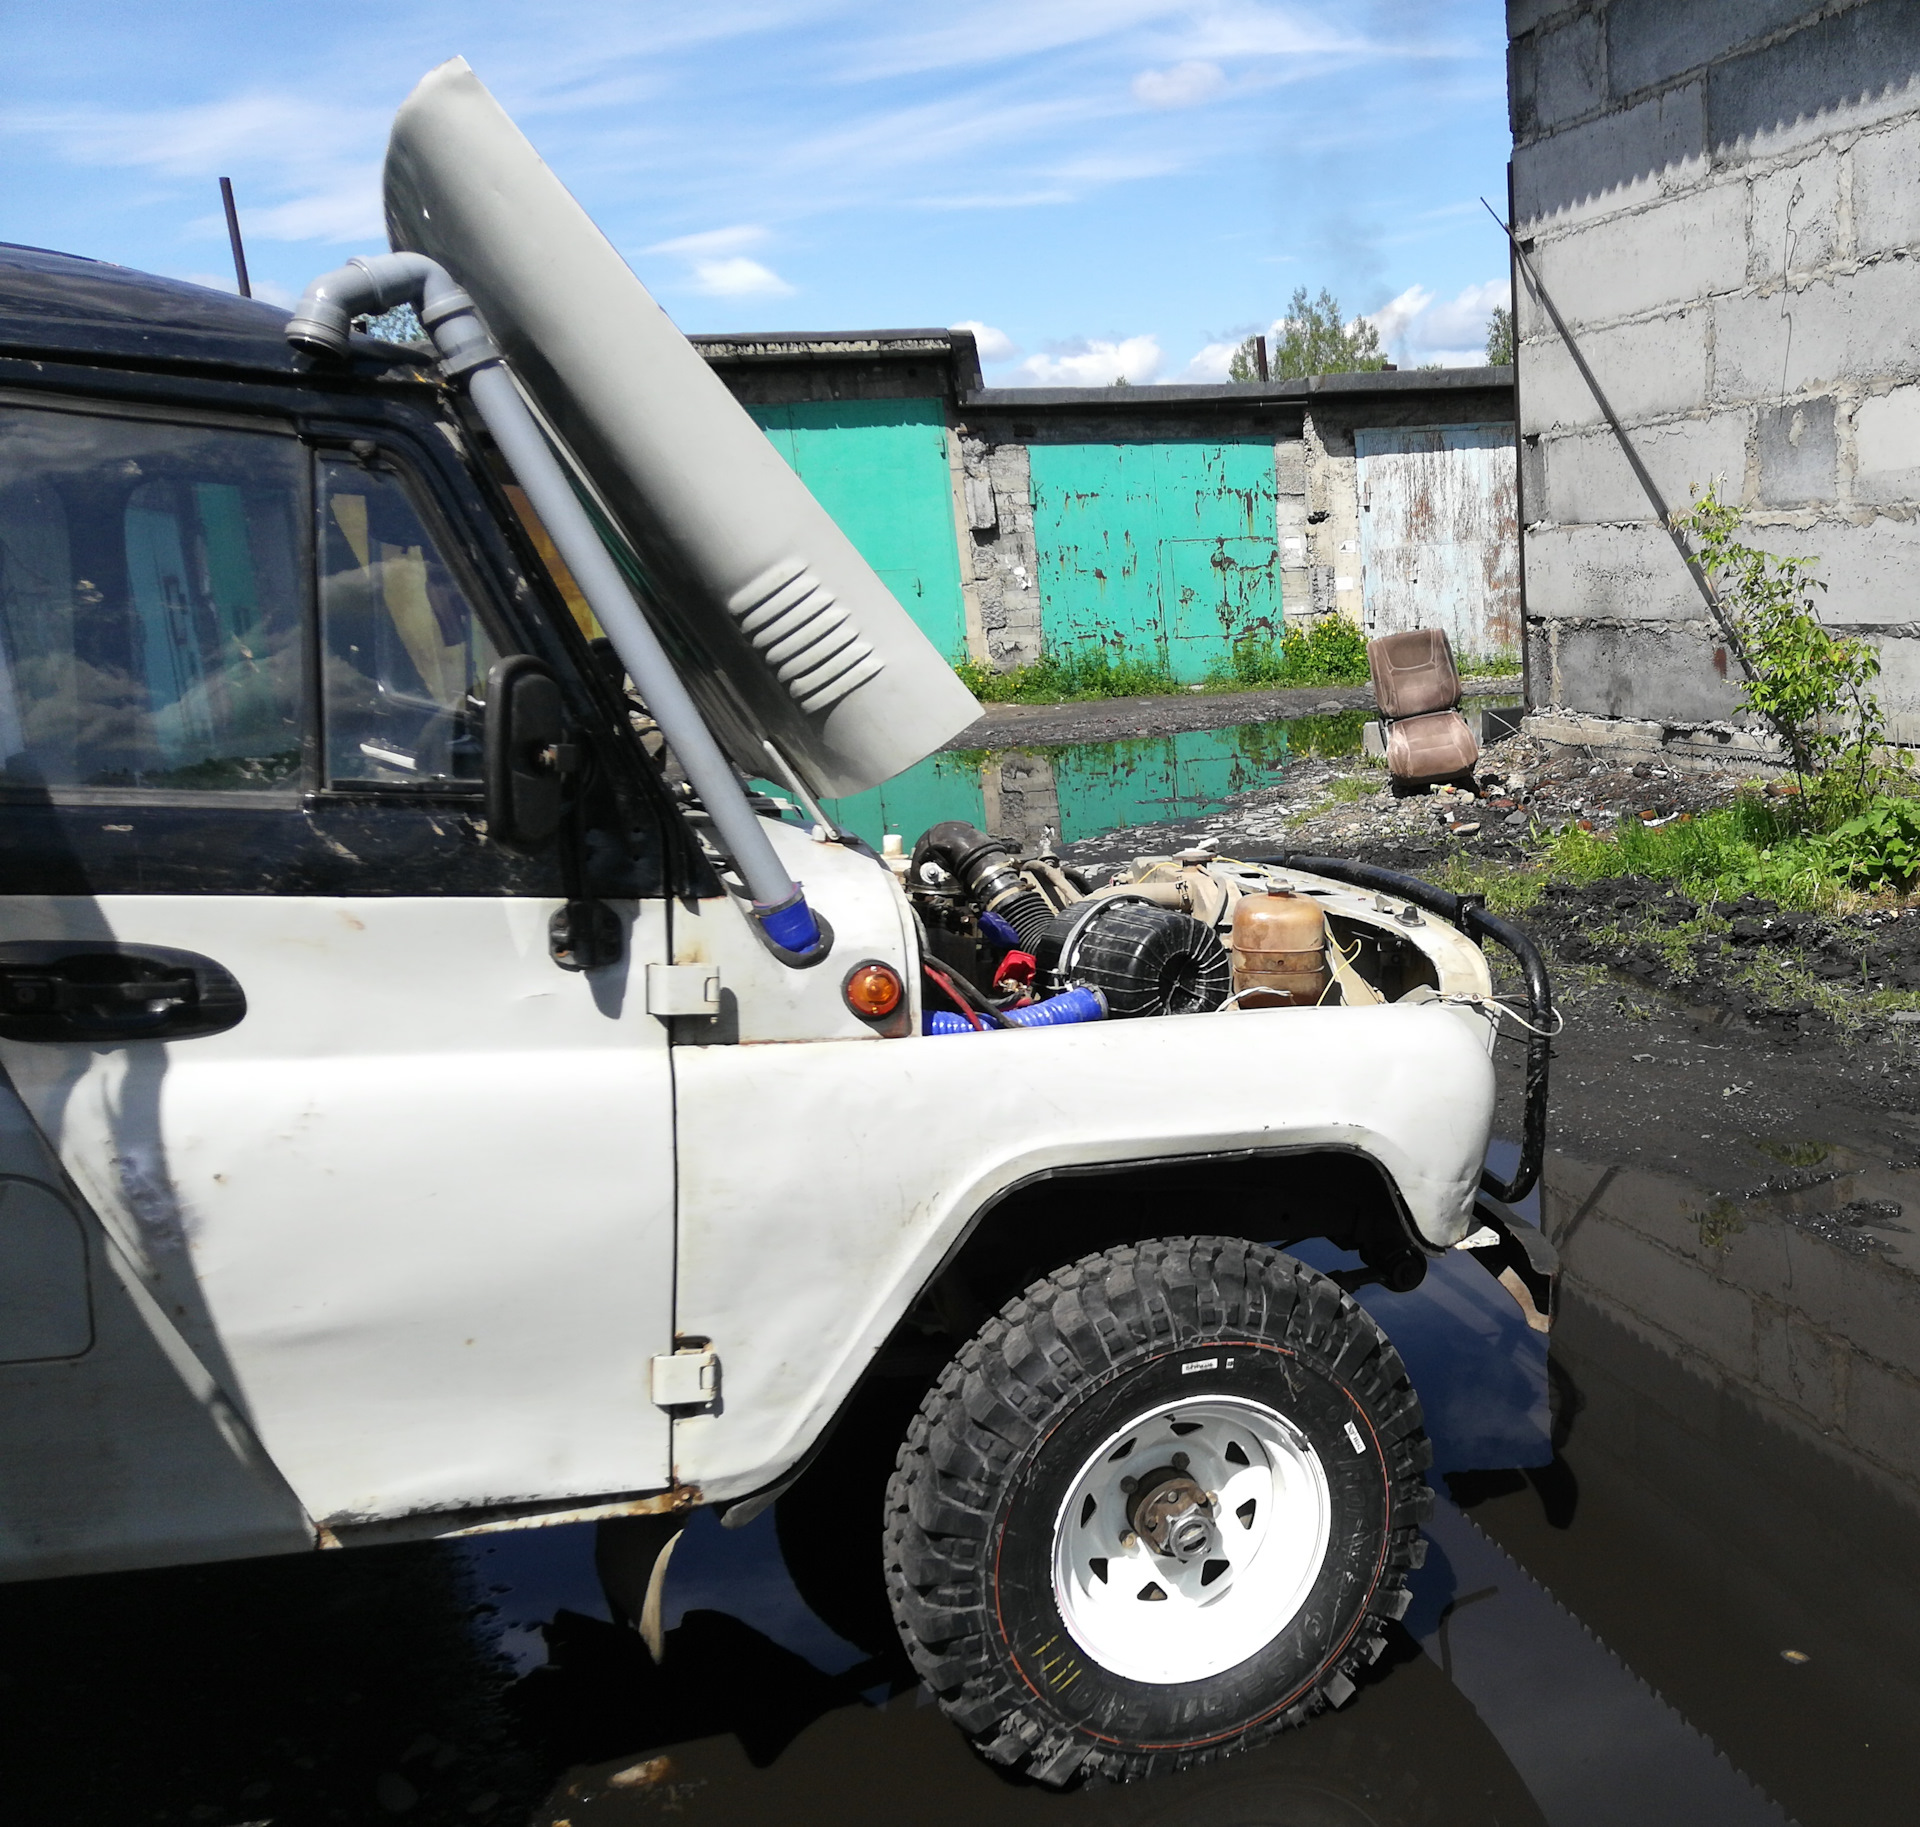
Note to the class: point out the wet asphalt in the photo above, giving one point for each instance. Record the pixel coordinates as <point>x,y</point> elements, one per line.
<point>1672,1572</point>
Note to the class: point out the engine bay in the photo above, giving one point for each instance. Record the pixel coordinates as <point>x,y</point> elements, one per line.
<point>1013,939</point>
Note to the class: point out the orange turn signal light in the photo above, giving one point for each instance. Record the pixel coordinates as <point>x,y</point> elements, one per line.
<point>873,990</point>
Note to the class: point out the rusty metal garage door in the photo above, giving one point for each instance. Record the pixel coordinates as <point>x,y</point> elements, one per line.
<point>1439,543</point>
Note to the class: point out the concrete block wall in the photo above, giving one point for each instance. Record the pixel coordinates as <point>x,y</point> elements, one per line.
<point>1723,199</point>
<point>1004,567</point>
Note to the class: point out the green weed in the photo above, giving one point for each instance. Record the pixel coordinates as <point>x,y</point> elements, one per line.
<point>1075,674</point>
<point>1329,651</point>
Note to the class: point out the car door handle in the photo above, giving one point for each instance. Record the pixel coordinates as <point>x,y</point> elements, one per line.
<point>100,992</point>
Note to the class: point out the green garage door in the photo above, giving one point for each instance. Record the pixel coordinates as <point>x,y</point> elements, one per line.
<point>879,467</point>
<point>1166,547</point>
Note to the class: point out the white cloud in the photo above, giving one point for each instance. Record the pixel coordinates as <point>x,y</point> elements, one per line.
<point>738,277</point>
<point>717,267</point>
<point>994,345</point>
<point>1418,328</point>
<point>1094,362</point>
<point>1393,318</point>
<point>1183,86</point>
<point>1209,366</point>
<point>712,241</point>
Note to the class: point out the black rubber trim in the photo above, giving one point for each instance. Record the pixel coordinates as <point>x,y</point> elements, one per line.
<point>1471,917</point>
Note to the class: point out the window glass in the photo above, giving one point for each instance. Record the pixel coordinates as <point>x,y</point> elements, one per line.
<point>149,605</point>
<point>406,656</point>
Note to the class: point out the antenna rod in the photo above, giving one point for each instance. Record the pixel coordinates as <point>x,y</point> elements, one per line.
<point>233,235</point>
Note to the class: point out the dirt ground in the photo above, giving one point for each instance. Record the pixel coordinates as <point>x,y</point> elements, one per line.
<point>1126,719</point>
<point>1729,1039</point>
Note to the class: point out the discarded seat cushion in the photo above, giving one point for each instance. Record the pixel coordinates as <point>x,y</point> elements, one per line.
<point>1413,673</point>
<point>1438,746</point>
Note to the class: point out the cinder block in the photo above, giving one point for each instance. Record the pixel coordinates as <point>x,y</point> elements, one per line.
<point>1886,445</point>
<point>1524,15</point>
<point>1803,338</point>
<point>1613,162</point>
<point>1567,76</point>
<point>1799,1366</point>
<point>1589,478</point>
<point>1883,1417</point>
<point>1653,41</point>
<point>1629,573</point>
<point>1898,686</point>
<point>1290,467</point>
<point>1845,71</point>
<point>1886,188</point>
<point>1795,224</point>
<point>1794,453</point>
<point>1645,672</point>
<point>1872,572</point>
<point>1872,1305</point>
<point>1662,1291</point>
<point>1647,370</point>
<point>1674,252</point>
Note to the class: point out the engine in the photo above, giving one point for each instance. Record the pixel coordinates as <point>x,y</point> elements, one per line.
<point>1009,938</point>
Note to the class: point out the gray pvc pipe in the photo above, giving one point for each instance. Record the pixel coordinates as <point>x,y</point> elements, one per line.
<point>377,283</point>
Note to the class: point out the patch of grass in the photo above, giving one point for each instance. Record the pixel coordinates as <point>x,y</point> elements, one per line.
<point>1329,651</point>
<point>1342,790</point>
<point>1488,666</point>
<point>1073,675</point>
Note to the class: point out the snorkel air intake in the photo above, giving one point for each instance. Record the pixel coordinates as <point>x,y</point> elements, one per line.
<point>469,356</point>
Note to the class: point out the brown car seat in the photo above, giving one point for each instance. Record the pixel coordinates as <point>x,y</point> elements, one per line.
<point>1417,689</point>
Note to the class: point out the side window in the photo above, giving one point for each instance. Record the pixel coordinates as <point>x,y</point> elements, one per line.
<point>405,654</point>
<point>150,609</point>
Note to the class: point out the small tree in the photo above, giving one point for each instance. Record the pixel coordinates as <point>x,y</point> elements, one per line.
<point>1314,339</point>
<point>1809,683</point>
<point>1500,338</point>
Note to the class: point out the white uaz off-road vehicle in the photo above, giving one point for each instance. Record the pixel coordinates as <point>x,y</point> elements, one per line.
<point>445,1097</point>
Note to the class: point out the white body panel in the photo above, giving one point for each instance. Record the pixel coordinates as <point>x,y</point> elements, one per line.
<point>822,1184</point>
<point>415,1212</point>
<point>757,578</point>
<point>765,1000</point>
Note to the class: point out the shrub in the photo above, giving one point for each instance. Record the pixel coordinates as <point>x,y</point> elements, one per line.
<point>1328,651</point>
<point>1809,683</point>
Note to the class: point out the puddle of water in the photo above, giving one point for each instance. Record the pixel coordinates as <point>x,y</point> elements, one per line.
<point>1084,789</point>
<point>1715,1462</point>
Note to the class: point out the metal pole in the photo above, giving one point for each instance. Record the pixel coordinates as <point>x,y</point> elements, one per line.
<point>1640,471</point>
<point>233,236</point>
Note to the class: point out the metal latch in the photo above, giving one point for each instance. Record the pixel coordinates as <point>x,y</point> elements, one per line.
<point>685,1379</point>
<point>683,989</point>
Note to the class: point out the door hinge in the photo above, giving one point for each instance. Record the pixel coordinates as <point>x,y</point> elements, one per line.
<point>687,1378</point>
<point>683,989</point>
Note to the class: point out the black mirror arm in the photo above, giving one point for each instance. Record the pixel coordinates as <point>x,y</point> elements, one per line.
<point>584,933</point>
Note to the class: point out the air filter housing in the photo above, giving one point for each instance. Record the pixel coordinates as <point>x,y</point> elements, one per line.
<point>1145,960</point>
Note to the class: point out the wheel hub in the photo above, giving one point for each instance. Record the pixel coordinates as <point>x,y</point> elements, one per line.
<point>1170,1513</point>
<point>1195,1562</point>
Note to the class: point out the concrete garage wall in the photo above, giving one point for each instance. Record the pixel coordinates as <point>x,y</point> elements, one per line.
<point>1170,519</point>
<point>1723,199</point>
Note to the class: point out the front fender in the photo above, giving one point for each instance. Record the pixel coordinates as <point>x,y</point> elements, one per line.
<point>823,1183</point>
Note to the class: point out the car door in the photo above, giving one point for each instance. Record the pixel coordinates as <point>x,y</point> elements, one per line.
<point>403,1185</point>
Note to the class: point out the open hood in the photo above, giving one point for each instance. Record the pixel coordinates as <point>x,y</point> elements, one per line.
<point>781,630</point>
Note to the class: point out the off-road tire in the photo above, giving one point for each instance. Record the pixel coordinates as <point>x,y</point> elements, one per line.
<point>998,1441</point>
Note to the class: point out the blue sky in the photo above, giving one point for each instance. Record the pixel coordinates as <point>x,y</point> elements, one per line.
<point>1099,186</point>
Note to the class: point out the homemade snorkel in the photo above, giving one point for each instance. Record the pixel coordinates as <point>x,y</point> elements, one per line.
<point>469,357</point>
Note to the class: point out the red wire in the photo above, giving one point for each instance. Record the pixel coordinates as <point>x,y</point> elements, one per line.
<point>959,1001</point>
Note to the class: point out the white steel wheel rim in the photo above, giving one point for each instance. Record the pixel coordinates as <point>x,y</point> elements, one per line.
<point>1267,1521</point>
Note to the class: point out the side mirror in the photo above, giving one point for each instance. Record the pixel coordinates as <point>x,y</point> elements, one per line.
<point>528,754</point>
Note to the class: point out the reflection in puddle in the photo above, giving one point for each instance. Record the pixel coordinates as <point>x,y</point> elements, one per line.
<point>1084,789</point>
